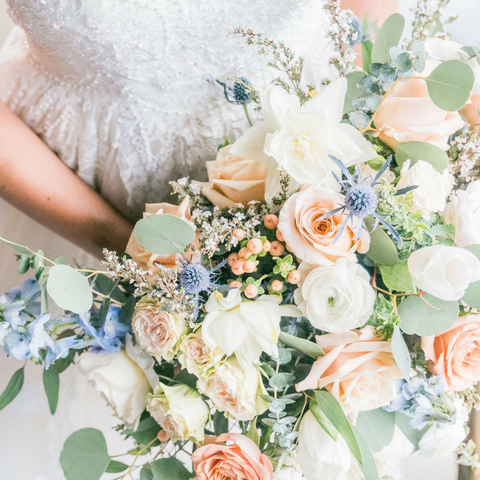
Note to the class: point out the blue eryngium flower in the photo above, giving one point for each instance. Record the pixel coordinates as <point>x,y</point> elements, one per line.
<point>238,92</point>
<point>361,199</point>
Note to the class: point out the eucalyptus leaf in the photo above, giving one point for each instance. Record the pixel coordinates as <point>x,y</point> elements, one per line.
<point>304,346</point>
<point>387,73</point>
<point>17,247</point>
<point>116,467</point>
<point>404,62</point>
<point>51,383</point>
<point>13,388</point>
<point>419,64</point>
<point>69,289</point>
<point>170,469</point>
<point>401,353</point>
<point>427,152</point>
<point>426,317</point>
<point>387,37</point>
<point>450,85</point>
<point>368,465</point>
<point>377,428</point>
<point>382,250</point>
<point>84,455</point>
<point>322,420</point>
<point>146,472</point>
<point>146,431</point>
<point>397,277</point>
<point>369,84</point>
<point>353,91</point>
<point>413,435</point>
<point>367,47</point>
<point>472,294</point>
<point>164,234</point>
<point>417,48</point>
<point>220,423</point>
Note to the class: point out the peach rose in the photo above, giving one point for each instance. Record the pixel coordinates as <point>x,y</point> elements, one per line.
<point>234,179</point>
<point>157,330</point>
<point>455,354</point>
<point>313,240</point>
<point>146,260</point>
<point>231,455</point>
<point>358,369</point>
<point>408,114</point>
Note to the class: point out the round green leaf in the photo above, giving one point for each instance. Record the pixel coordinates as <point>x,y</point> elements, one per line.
<point>116,467</point>
<point>421,319</point>
<point>450,85</point>
<point>377,428</point>
<point>353,79</point>
<point>170,469</point>
<point>69,289</point>
<point>416,151</point>
<point>472,294</point>
<point>387,37</point>
<point>84,455</point>
<point>164,234</point>
<point>382,250</point>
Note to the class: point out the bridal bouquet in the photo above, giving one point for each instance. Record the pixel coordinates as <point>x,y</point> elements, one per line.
<point>310,311</point>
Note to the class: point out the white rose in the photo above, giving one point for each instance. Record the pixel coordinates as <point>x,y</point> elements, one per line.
<point>319,456</point>
<point>124,378</point>
<point>301,138</point>
<point>335,298</point>
<point>464,213</point>
<point>180,411</point>
<point>439,442</point>
<point>444,272</point>
<point>234,391</point>
<point>290,471</point>
<point>433,187</point>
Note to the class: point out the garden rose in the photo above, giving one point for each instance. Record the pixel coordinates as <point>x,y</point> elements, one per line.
<point>319,456</point>
<point>180,411</point>
<point>235,391</point>
<point>358,369</point>
<point>335,298</point>
<point>314,240</point>
<point>464,213</point>
<point>234,179</point>
<point>147,260</point>
<point>231,455</point>
<point>408,114</point>
<point>444,272</point>
<point>124,378</point>
<point>433,187</point>
<point>157,330</point>
<point>455,354</point>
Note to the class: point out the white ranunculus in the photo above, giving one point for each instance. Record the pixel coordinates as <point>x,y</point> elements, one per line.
<point>301,138</point>
<point>444,272</point>
<point>235,391</point>
<point>439,442</point>
<point>464,213</point>
<point>335,298</point>
<point>124,378</point>
<point>433,187</point>
<point>290,471</point>
<point>319,456</point>
<point>244,328</point>
<point>180,411</point>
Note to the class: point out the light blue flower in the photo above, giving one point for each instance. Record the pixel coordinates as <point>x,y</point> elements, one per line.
<point>29,294</point>
<point>60,349</point>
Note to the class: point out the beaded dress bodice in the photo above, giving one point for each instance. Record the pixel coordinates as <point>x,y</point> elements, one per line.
<point>123,90</point>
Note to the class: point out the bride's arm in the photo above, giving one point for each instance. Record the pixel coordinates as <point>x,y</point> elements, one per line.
<point>34,180</point>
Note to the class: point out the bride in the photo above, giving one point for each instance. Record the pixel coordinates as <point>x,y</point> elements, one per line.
<point>103,103</point>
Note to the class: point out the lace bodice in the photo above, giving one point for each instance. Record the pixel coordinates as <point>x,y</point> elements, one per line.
<point>122,90</point>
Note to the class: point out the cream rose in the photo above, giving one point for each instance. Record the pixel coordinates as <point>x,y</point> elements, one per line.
<point>319,456</point>
<point>444,272</point>
<point>233,179</point>
<point>433,187</point>
<point>455,354</point>
<point>234,391</point>
<point>124,378</point>
<point>464,213</point>
<point>358,369</point>
<point>197,357</point>
<point>147,260</point>
<point>318,241</point>
<point>157,330</point>
<point>335,298</point>
<point>408,114</point>
<point>180,411</point>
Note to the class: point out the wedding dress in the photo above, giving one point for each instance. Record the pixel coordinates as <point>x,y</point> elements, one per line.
<point>124,92</point>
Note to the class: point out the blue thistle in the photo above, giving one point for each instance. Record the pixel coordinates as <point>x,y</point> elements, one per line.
<point>361,200</point>
<point>240,93</point>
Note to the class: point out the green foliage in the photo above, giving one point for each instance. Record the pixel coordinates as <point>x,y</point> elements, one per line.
<point>472,294</point>
<point>382,250</point>
<point>427,152</point>
<point>322,420</point>
<point>367,465</point>
<point>377,428</point>
<point>116,467</point>
<point>84,455</point>
<point>51,383</point>
<point>284,266</point>
<point>170,469</point>
<point>353,79</point>
<point>220,423</point>
<point>397,277</point>
<point>13,388</point>
<point>146,431</point>
<point>401,353</point>
<point>252,433</point>
<point>304,346</point>
<point>17,247</point>
<point>403,422</point>
<point>388,36</point>
<point>384,317</point>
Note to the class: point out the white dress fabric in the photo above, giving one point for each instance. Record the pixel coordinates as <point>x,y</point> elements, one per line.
<point>123,91</point>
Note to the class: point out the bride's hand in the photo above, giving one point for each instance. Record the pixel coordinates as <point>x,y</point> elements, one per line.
<point>34,180</point>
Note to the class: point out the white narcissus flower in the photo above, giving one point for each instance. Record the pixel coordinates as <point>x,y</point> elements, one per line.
<point>301,138</point>
<point>235,391</point>
<point>319,456</point>
<point>464,213</point>
<point>444,272</point>
<point>244,328</point>
<point>433,187</point>
<point>439,442</point>
<point>335,298</point>
<point>180,411</point>
<point>124,378</point>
